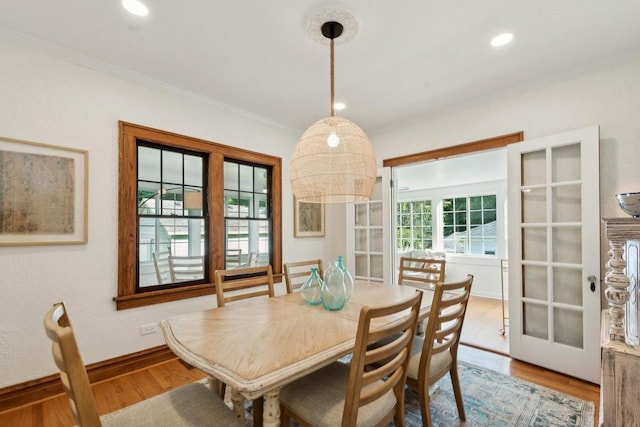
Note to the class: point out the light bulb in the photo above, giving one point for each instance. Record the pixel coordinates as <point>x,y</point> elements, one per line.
<point>135,7</point>
<point>501,40</point>
<point>333,140</point>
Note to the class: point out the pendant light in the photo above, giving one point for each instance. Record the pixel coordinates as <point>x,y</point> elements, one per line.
<point>333,161</point>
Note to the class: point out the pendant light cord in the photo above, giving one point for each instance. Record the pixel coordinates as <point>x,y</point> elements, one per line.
<point>332,82</point>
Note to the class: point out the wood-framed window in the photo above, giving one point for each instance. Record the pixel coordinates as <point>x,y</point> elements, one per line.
<point>175,200</point>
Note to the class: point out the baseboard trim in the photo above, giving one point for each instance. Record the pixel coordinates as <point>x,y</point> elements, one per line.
<point>46,387</point>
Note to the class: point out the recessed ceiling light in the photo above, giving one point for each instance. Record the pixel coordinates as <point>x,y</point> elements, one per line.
<point>136,7</point>
<point>501,40</point>
<point>339,106</point>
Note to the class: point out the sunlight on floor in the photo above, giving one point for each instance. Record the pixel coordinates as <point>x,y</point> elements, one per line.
<point>483,325</point>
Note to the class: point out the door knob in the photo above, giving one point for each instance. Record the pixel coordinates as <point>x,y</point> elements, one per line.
<point>592,280</point>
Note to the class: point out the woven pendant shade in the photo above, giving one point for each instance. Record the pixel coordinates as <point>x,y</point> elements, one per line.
<point>325,174</point>
<point>333,161</point>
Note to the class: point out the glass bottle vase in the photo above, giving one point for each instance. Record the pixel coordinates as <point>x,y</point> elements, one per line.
<point>311,290</point>
<point>348,278</point>
<point>334,294</point>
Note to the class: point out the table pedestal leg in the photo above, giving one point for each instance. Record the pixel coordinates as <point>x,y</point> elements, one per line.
<point>217,386</point>
<point>271,416</point>
<point>238,405</point>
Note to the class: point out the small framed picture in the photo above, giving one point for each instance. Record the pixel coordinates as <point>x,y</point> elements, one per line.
<point>43,194</point>
<point>308,219</point>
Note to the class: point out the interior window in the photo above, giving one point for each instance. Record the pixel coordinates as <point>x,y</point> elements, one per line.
<point>188,207</point>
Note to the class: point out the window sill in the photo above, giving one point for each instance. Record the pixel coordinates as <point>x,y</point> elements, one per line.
<point>167,295</point>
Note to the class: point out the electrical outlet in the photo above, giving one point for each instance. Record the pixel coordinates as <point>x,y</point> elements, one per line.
<point>149,328</point>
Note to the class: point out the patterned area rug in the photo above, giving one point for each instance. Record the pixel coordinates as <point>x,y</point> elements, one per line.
<point>496,400</point>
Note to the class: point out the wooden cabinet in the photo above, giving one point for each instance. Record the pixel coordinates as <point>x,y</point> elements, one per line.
<point>619,387</point>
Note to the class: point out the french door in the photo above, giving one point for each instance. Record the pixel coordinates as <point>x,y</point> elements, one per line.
<point>554,259</point>
<point>369,233</point>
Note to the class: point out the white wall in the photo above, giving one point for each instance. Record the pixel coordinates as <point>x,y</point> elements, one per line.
<point>55,102</point>
<point>608,98</point>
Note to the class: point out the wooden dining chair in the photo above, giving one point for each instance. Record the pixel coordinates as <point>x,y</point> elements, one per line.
<point>184,268</point>
<point>238,284</point>
<point>421,272</point>
<point>350,395</point>
<point>189,405</point>
<point>295,273</point>
<point>436,354</point>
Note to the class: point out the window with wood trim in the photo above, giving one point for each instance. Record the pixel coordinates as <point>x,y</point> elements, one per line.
<point>183,214</point>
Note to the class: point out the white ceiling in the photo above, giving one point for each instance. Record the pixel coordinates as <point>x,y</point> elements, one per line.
<point>409,59</point>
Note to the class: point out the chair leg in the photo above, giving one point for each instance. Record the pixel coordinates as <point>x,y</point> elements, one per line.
<point>399,418</point>
<point>455,382</point>
<point>258,410</point>
<point>425,405</point>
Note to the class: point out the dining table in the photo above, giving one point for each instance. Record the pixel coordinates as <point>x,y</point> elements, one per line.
<point>259,345</point>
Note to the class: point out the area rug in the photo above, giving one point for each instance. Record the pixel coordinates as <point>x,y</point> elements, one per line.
<point>496,400</point>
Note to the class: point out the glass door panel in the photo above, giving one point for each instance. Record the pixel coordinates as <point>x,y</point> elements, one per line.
<point>567,244</point>
<point>565,163</point>
<point>375,214</point>
<point>567,286</point>
<point>375,262</point>
<point>361,214</point>
<point>375,240</point>
<point>534,282</point>
<point>361,240</point>
<point>534,205</point>
<point>535,320</point>
<point>566,206</point>
<point>567,327</point>
<point>362,265</point>
<point>534,247</point>
<point>534,166</point>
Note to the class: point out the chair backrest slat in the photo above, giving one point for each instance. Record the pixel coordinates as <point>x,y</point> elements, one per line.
<point>295,273</point>
<point>240,279</point>
<point>427,271</point>
<point>445,321</point>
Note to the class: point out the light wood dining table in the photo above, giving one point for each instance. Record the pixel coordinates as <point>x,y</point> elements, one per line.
<point>258,346</point>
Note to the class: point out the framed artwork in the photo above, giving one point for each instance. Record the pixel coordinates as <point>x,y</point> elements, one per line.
<point>43,194</point>
<point>308,219</point>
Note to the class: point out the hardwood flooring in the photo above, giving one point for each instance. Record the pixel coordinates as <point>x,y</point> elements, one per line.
<point>127,389</point>
<point>483,325</point>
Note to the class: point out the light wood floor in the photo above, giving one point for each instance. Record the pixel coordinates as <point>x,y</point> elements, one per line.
<point>131,388</point>
<point>483,325</point>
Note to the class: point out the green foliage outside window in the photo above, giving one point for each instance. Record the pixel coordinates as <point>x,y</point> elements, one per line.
<point>414,225</point>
